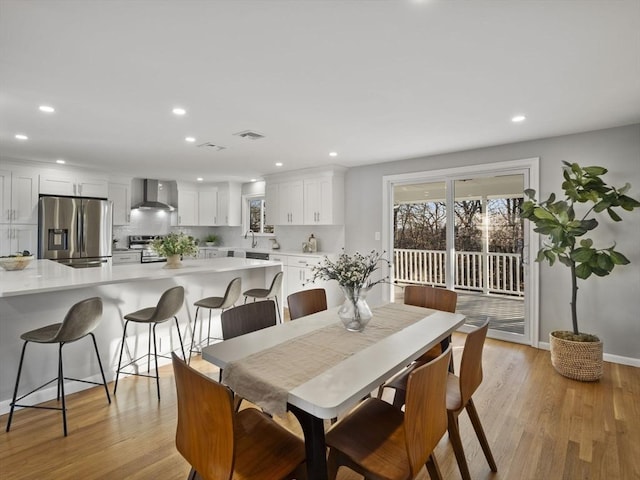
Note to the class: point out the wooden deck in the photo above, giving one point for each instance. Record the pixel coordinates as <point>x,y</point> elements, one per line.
<point>505,313</point>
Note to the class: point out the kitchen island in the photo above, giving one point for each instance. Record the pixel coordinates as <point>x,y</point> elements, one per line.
<point>42,294</point>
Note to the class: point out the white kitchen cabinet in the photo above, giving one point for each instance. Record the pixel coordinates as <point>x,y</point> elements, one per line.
<point>314,197</point>
<point>320,195</point>
<point>120,196</point>
<point>300,273</point>
<point>18,238</point>
<point>208,206</point>
<point>73,184</point>
<point>230,204</point>
<point>18,196</point>
<point>187,213</point>
<point>18,211</point>
<point>290,201</point>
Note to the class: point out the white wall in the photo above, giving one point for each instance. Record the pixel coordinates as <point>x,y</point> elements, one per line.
<point>609,306</point>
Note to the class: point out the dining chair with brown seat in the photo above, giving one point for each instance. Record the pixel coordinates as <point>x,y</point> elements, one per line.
<point>244,319</point>
<point>228,300</point>
<point>436,298</point>
<point>307,302</point>
<point>427,297</point>
<point>380,441</point>
<point>274,291</point>
<point>459,392</point>
<point>221,444</point>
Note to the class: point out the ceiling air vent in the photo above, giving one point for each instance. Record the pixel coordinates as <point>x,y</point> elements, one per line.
<point>251,135</point>
<point>212,146</point>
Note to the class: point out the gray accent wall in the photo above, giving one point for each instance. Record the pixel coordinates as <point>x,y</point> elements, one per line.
<point>608,306</point>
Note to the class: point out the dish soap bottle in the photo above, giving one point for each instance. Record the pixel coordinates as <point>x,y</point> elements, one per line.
<point>313,244</point>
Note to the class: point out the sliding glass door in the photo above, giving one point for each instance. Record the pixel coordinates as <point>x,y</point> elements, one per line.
<point>463,231</point>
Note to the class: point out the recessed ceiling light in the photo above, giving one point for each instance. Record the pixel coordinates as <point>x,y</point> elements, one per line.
<point>199,179</point>
<point>518,118</point>
<point>60,161</point>
<point>278,164</point>
<point>179,111</point>
<point>190,139</point>
<point>333,154</point>
<point>21,136</point>
<point>253,180</point>
<point>46,109</point>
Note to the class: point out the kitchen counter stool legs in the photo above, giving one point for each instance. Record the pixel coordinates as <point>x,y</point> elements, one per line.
<point>168,306</point>
<point>229,299</point>
<point>80,321</point>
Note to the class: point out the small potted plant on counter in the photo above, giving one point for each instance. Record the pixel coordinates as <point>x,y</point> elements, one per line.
<point>211,240</point>
<point>575,354</point>
<point>174,246</point>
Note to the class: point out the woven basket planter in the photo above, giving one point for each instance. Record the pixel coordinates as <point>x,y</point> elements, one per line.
<point>576,360</point>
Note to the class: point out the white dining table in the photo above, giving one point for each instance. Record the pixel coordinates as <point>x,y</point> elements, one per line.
<point>353,364</point>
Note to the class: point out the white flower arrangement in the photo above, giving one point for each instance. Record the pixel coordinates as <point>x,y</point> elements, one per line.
<point>351,271</point>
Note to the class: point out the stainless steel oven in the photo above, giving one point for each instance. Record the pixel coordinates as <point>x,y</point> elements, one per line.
<point>143,242</point>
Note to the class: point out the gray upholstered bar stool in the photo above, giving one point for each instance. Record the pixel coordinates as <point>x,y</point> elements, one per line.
<point>168,306</point>
<point>231,295</point>
<point>80,321</point>
<point>274,291</point>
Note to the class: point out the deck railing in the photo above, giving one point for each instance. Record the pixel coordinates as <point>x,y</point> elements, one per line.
<point>489,273</point>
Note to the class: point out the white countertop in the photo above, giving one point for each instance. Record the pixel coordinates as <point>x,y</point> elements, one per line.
<point>270,251</point>
<point>48,276</point>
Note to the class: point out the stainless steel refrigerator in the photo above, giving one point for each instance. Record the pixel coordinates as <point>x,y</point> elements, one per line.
<point>75,231</point>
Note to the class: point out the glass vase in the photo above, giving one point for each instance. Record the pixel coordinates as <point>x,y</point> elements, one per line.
<point>354,312</point>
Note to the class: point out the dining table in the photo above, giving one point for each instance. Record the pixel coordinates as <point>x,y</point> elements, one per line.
<point>318,370</point>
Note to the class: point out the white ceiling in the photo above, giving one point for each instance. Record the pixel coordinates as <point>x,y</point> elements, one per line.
<point>372,80</point>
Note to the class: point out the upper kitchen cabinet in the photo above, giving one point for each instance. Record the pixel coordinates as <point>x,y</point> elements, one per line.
<point>229,204</point>
<point>18,196</point>
<point>73,184</point>
<point>309,197</point>
<point>209,205</point>
<point>187,208</point>
<point>120,195</point>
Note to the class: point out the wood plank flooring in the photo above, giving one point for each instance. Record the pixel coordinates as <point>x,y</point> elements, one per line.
<point>540,425</point>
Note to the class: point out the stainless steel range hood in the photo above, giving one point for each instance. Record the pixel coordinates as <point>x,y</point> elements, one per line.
<point>150,198</point>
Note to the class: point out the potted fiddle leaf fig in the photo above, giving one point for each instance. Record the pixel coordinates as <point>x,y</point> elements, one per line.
<point>575,354</point>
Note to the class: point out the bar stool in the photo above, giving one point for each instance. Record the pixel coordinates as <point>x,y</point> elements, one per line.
<point>168,306</point>
<point>274,291</point>
<point>229,299</point>
<point>80,321</point>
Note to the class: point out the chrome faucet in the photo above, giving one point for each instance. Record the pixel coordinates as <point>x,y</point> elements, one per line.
<point>254,242</point>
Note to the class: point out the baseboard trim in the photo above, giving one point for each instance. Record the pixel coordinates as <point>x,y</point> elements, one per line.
<point>608,357</point>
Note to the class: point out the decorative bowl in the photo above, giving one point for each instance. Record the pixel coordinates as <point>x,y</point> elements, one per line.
<point>16,263</point>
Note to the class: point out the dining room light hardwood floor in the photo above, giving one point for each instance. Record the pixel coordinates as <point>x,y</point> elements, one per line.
<point>541,426</point>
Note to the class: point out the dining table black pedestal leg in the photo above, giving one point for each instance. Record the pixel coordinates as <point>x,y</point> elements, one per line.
<point>314,442</point>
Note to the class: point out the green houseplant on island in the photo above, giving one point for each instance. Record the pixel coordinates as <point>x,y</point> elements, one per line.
<point>174,246</point>
<point>575,354</point>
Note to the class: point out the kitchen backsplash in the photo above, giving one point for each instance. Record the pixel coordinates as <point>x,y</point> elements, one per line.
<point>290,238</point>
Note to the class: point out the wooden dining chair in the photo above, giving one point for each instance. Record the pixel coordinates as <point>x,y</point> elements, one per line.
<point>306,302</point>
<point>459,392</point>
<point>436,298</point>
<point>427,297</point>
<point>380,441</point>
<point>244,319</point>
<point>221,444</point>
